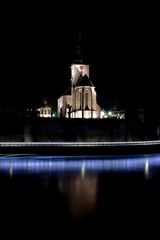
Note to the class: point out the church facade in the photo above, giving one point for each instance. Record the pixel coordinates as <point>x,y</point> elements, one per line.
<point>80,100</point>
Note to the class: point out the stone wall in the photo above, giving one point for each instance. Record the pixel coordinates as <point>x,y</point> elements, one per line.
<point>76,130</point>
<point>62,129</point>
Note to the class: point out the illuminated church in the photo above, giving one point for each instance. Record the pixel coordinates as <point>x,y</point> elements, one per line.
<point>80,100</point>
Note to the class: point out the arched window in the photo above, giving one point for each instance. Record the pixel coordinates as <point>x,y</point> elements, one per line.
<point>86,99</point>
<point>80,99</point>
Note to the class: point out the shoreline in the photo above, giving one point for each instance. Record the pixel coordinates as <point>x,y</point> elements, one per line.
<point>80,148</point>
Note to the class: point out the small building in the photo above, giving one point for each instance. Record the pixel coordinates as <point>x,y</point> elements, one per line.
<point>44,111</point>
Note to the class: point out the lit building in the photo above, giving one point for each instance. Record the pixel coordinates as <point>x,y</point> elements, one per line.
<point>120,114</point>
<point>44,111</point>
<point>80,100</point>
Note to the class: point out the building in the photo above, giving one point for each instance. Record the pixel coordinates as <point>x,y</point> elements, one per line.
<point>119,114</point>
<point>80,99</point>
<point>44,111</point>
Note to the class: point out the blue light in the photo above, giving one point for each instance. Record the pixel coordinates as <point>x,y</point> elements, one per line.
<point>38,164</point>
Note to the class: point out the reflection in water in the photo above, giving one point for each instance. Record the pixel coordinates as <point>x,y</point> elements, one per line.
<point>146,169</point>
<point>83,170</point>
<point>14,164</point>
<point>81,193</point>
<point>11,171</point>
<point>99,190</point>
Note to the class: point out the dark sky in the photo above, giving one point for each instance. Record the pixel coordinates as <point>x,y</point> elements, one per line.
<point>37,45</point>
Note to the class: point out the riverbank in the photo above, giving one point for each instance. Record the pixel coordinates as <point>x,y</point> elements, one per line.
<point>80,148</point>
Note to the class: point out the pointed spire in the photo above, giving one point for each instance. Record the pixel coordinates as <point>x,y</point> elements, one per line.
<point>79,50</point>
<point>79,47</point>
<point>44,101</point>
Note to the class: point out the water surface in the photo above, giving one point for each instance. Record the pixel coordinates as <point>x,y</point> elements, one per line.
<point>108,192</point>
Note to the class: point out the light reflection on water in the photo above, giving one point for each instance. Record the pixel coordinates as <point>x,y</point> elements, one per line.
<point>74,189</point>
<point>32,164</point>
<point>81,193</point>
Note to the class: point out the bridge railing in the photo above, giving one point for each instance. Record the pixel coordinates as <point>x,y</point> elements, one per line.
<point>79,144</point>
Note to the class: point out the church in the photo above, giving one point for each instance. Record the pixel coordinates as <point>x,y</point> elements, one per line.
<point>80,99</point>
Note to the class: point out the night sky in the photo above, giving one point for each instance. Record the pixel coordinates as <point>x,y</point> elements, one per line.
<point>38,44</point>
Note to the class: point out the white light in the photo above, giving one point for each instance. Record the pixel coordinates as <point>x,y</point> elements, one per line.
<point>146,169</point>
<point>83,170</point>
<point>10,171</point>
<point>102,114</point>
<point>53,115</point>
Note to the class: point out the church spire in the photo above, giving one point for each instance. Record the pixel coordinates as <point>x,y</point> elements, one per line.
<point>79,47</point>
<point>79,50</point>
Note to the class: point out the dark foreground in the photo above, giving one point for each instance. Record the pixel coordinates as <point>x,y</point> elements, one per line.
<point>114,196</point>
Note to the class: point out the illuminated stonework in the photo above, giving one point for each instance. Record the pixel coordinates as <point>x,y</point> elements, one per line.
<point>44,111</point>
<point>78,70</point>
<point>80,100</point>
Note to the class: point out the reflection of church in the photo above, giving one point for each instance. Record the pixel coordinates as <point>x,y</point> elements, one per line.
<point>81,193</point>
<point>80,100</point>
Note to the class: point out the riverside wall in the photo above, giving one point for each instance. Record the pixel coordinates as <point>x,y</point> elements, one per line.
<point>61,129</point>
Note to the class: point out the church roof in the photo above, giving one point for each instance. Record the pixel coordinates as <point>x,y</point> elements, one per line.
<point>84,81</point>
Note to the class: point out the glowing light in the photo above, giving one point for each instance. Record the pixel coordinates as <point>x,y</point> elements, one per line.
<point>38,164</point>
<point>83,170</point>
<point>79,144</point>
<point>53,114</point>
<point>102,114</point>
<point>11,171</point>
<point>146,168</point>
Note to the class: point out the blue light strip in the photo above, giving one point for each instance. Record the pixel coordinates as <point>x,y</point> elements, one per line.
<point>37,164</point>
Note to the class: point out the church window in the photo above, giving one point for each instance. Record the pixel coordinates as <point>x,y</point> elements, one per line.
<point>80,99</point>
<point>86,99</point>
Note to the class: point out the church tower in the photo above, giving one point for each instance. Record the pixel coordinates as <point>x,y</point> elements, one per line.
<point>80,100</point>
